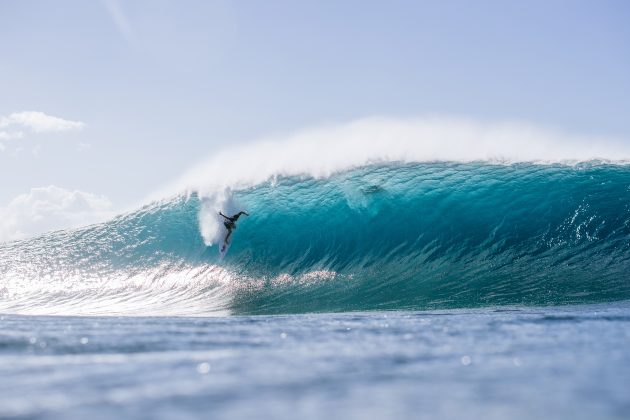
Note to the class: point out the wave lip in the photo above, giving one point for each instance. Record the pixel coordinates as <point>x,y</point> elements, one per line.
<point>326,150</point>
<point>384,236</point>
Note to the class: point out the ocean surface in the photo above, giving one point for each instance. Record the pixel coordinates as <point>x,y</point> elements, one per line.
<point>517,363</point>
<point>392,290</point>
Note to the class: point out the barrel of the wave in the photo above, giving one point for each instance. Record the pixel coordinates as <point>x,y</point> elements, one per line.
<point>437,235</point>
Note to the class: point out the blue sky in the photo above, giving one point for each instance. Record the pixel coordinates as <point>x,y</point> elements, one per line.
<point>157,85</point>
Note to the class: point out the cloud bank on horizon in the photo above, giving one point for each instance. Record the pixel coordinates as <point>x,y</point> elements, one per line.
<point>50,208</point>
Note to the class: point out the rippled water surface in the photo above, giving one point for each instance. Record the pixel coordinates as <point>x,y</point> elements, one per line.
<point>554,362</point>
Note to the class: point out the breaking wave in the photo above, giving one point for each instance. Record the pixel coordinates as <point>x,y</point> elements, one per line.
<point>387,236</point>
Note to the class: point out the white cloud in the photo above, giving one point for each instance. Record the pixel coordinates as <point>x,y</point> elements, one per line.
<point>39,122</point>
<point>50,208</point>
<point>13,126</point>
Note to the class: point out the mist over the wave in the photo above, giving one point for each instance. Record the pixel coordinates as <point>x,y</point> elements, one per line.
<point>323,150</point>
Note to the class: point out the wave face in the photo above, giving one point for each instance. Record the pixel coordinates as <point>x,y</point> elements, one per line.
<point>390,236</point>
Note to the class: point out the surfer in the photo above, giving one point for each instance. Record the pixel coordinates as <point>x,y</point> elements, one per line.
<point>230,223</point>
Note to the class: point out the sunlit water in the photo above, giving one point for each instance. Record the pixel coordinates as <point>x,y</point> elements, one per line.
<point>537,362</point>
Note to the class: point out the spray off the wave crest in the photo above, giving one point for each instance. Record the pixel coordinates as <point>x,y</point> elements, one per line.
<point>322,151</point>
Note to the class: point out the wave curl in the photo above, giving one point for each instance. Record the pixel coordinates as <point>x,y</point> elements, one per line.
<point>384,236</point>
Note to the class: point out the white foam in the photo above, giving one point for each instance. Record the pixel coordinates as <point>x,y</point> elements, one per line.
<point>321,151</point>
<point>158,291</point>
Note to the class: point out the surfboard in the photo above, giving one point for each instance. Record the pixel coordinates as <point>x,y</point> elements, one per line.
<point>224,246</point>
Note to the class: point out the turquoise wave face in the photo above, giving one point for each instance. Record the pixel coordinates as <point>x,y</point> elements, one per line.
<point>432,235</point>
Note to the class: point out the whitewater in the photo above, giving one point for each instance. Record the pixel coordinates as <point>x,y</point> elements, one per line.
<point>389,267</point>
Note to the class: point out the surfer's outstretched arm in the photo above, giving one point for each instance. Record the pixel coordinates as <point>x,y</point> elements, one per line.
<point>221,214</point>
